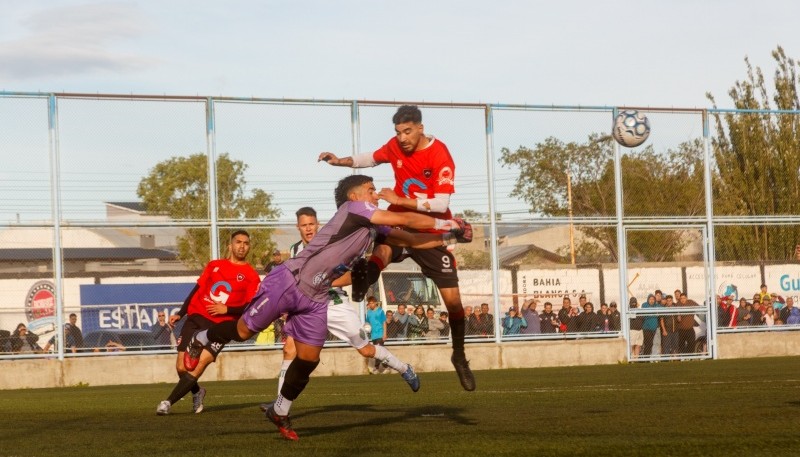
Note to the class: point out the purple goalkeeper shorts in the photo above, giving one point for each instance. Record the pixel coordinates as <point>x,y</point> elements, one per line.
<point>278,294</point>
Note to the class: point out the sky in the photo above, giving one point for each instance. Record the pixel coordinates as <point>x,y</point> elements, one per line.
<point>665,53</point>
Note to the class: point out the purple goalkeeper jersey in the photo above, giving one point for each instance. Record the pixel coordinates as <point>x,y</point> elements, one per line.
<point>335,248</point>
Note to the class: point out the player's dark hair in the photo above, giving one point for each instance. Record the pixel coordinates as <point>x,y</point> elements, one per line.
<point>306,211</point>
<point>346,185</point>
<point>407,113</point>
<point>239,232</point>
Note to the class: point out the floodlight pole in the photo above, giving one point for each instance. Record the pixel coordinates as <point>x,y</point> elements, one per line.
<point>571,224</point>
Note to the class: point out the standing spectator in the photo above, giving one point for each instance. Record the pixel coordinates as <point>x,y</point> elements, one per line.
<point>485,321</point>
<point>604,315</point>
<point>615,321</point>
<point>650,326</point>
<point>565,314</point>
<point>513,322</point>
<point>162,332</point>
<point>23,341</point>
<point>686,335</point>
<point>548,320</point>
<point>393,326</point>
<point>435,325</point>
<point>446,323</point>
<point>587,321</point>
<point>470,329</point>
<point>72,336</point>
<point>277,259</point>
<point>417,324</point>
<point>768,318</point>
<point>669,329</point>
<point>402,318</point>
<point>637,334</point>
<point>376,319</point>
<point>789,314</point>
<point>764,295</point>
<point>531,317</point>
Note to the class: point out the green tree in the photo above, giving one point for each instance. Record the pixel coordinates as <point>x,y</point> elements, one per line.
<point>178,187</point>
<point>655,184</point>
<point>757,163</point>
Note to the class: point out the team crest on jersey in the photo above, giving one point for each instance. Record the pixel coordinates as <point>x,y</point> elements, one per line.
<point>399,164</point>
<point>240,277</point>
<point>446,176</point>
<point>319,278</point>
<point>427,173</point>
<point>370,206</point>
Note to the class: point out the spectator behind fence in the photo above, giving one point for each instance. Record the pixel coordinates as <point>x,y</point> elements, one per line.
<point>564,314</point>
<point>669,329</point>
<point>23,341</point>
<point>513,323</point>
<point>768,318</point>
<point>162,332</point>
<point>548,320</point>
<point>435,325</point>
<point>637,334</point>
<point>686,335</point>
<point>604,315</point>
<point>392,326</point>
<point>650,325</point>
<point>470,329</point>
<point>484,321</point>
<point>443,316</point>
<point>417,324</point>
<point>531,316</point>
<point>789,314</point>
<point>402,317</point>
<point>616,318</point>
<point>588,320</point>
<point>72,336</point>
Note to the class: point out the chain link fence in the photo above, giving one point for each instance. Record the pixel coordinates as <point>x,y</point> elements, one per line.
<point>107,212</point>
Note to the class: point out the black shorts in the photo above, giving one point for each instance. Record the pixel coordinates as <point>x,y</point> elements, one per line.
<point>196,323</point>
<point>437,264</point>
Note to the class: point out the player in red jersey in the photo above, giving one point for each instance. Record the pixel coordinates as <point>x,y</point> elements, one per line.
<point>424,175</point>
<point>223,290</point>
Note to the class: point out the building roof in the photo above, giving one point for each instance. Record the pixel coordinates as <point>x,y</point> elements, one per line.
<point>136,207</point>
<point>85,254</point>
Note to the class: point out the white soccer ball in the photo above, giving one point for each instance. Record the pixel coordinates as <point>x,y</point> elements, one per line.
<point>631,128</point>
<point>367,328</point>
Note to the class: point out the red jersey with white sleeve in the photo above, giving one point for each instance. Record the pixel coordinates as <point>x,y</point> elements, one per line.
<point>422,174</point>
<point>224,281</point>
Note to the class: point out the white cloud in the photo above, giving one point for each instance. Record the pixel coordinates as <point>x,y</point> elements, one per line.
<point>74,40</point>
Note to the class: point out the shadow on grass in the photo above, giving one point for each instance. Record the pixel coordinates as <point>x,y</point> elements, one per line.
<point>348,416</point>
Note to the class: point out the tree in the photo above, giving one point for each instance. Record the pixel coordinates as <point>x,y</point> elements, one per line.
<point>178,187</point>
<point>757,164</point>
<point>655,184</point>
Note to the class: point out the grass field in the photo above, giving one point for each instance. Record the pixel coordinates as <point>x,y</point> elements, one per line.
<point>700,408</point>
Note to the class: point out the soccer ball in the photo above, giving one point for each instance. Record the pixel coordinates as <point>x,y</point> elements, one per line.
<point>631,128</point>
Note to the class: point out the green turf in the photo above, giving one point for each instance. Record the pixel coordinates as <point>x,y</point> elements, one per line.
<point>699,408</point>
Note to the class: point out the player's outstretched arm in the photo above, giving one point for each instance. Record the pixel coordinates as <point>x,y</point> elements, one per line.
<point>408,219</point>
<point>416,240</point>
<point>335,161</point>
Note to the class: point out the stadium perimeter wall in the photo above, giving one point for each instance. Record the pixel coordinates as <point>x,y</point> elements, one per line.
<point>264,364</point>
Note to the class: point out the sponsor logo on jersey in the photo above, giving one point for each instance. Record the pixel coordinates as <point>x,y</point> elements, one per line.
<point>220,291</point>
<point>427,173</point>
<point>255,309</point>
<point>370,206</point>
<point>446,176</point>
<point>399,164</point>
<point>407,186</point>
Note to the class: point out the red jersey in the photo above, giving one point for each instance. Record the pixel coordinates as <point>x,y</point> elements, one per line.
<point>420,175</point>
<point>226,282</point>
